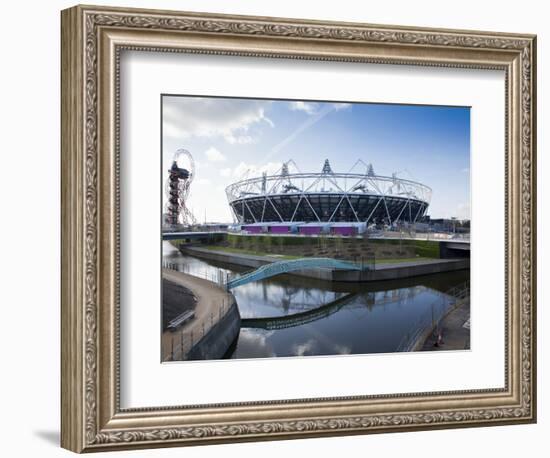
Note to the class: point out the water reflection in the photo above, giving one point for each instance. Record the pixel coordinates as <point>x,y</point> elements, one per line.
<point>375,319</point>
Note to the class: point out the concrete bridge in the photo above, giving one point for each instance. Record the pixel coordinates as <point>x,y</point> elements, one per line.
<point>454,248</point>
<point>194,236</point>
<point>282,267</point>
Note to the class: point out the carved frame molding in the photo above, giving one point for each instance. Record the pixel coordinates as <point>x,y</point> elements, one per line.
<point>92,39</point>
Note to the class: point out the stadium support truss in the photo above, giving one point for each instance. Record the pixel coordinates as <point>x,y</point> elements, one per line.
<point>293,196</point>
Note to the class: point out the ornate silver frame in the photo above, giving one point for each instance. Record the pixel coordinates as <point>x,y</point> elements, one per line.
<point>92,39</point>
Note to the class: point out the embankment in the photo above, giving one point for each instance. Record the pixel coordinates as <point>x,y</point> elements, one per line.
<point>215,325</point>
<point>218,339</point>
<point>386,271</point>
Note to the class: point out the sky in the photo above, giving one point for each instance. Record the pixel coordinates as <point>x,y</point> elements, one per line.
<point>230,138</point>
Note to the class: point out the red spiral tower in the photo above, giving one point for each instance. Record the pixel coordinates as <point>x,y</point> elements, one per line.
<point>180,177</point>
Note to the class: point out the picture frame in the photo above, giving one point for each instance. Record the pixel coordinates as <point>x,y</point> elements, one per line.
<point>93,39</point>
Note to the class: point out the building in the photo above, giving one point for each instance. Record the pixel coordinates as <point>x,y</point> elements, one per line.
<point>328,197</point>
<point>271,228</point>
<point>314,228</point>
<point>347,229</point>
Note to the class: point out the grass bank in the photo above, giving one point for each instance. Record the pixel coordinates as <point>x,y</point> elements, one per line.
<point>223,249</point>
<point>422,248</point>
<point>379,248</point>
<point>226,249</point>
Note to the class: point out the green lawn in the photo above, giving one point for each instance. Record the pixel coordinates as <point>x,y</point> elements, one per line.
<point>422,248</point>
<point>251,252</point>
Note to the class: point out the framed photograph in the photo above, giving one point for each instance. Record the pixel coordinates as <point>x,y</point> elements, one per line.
<point>278,228</point>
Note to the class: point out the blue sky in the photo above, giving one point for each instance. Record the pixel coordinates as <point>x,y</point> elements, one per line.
<point>230,138</point>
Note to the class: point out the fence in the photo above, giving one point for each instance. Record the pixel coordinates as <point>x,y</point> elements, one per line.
<point>183,340</point>
<point>430,322</point>
<point>418,235</point>
<point>218,276</point>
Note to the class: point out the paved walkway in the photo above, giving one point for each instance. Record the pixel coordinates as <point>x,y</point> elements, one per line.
<point>455,330</point>
<point>212,300</point>
<point>391,265</point>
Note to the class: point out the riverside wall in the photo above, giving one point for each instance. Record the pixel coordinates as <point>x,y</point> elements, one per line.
<point>377,273</point>
<point>213,329</point>
<point>218,339</point>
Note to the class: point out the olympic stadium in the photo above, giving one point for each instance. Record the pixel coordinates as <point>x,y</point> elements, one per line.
<point>328,197</point>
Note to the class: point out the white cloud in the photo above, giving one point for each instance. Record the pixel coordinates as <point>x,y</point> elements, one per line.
<point>305,348</point>
<point>312,108</point>
<point>255,344</point>
<point>201,181</point>
<point>341,106</point>
<point>214,155</point>
<point>231,119</point>
<point>253,170</point>
<point>239,139</point>
<point>268,121</point>
<point>308,107</point>
<point>342,349</point>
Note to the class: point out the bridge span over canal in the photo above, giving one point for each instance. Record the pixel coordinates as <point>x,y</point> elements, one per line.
<point>195,236</point>
<point>286,266</point>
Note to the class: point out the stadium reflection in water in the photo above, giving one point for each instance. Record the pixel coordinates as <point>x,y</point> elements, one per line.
<point>332,319</point>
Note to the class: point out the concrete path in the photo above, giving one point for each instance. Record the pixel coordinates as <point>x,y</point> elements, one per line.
<point>455,331</point>
<point>212,300</point>
<point>391,265</point>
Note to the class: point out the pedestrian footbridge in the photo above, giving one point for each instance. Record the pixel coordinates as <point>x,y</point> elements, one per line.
<point>282,267</point>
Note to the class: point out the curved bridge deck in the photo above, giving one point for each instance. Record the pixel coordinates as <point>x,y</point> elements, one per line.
<point>281,267</point>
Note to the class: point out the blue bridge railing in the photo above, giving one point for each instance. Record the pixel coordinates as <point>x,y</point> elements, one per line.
<point>281,267</point>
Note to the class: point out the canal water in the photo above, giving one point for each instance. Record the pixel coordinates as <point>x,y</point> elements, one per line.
<point>302,317</point>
